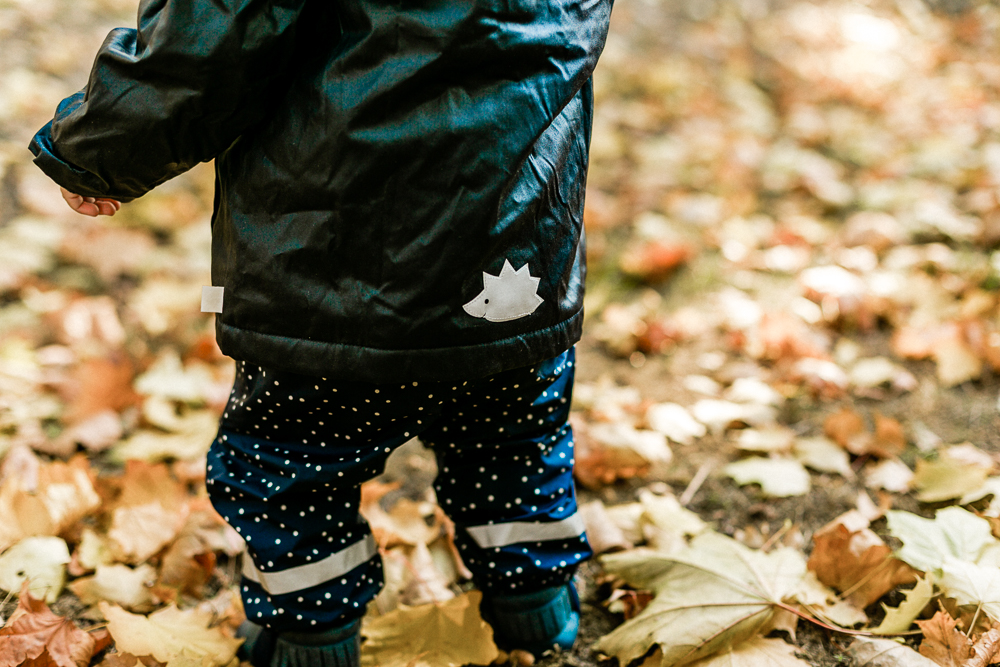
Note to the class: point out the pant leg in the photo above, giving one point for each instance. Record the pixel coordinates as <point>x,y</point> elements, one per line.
<point>285,471</point>
<point>505,460</point>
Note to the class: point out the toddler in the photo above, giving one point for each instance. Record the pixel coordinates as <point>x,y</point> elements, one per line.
<point>397,252</point>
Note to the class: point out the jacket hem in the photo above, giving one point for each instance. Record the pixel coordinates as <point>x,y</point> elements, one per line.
<point>357,363</point>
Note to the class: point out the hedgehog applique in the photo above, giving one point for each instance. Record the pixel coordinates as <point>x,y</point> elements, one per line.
<point>509,296</point>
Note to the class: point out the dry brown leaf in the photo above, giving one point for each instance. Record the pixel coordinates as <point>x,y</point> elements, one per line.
<point>189,561</point>
<point>98,385</point>
<point>602,533</point>
<point>850,558</point>
<point>943,642</point>
<point>889,439</point>
<point>148,514</point>
<point>656,260</point>
<point>35,637</point>
<point>111,251</point>
<point>847,428</point>
<point>49,504</point>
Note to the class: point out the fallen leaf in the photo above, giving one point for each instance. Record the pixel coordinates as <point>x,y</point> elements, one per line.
<point>889,440</point>
<point>890,474</point>
<point>847,429</point>
<point>899,619</point>
<point>37,562</point>
<point>98,385</point>
<point>120,584</point>
<point>721,415</point>
<point>985,649</point>
<point>822,454</point>
<point>602,533</point>
<point>943,642</point>
<point>775,439</point>
<point>852,559</point>
<point>755,652</point>
<point>189,561</point>
<point>867,652</point>
<point>948,477</point>
<point>928,542</point>
<point>655,260</point>
<point>956,361</point>
<point>675,422</point>
<point>60,495</point>
<point>149,513</point>
<point>447,634</point>
<point>169,634</point>
<point>191,437</point>
<point>778,477</point>
<point>973,584</point>
<point>715,594</point>
<point>35,637</point>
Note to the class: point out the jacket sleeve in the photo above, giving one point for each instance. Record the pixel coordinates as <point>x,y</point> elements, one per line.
<point>175,92</point>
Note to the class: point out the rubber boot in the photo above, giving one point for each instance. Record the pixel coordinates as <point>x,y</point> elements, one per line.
<point>535,622</point>
<point>337,647</point>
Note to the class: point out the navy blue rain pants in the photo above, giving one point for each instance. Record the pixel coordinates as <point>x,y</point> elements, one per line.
<point>293,450</point>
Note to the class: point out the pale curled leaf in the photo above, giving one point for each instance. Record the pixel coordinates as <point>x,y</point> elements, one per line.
<point>899,619</point>
<point>778,477</point>
<point>40,561</point>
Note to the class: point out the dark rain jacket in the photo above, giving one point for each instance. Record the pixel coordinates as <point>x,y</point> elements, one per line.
<point>400,183</point>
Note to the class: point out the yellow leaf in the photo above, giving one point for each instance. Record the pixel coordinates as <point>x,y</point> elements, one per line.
<point>447,634</point>
<point>899,619</point>
<point>170,635</point>
<point>755,652</point>
<point>119,584</point>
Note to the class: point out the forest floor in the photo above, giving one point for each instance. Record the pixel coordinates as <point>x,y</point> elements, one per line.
<point>793,211</point>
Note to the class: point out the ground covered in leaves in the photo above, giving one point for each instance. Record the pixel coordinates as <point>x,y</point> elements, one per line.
<point>786,409</point>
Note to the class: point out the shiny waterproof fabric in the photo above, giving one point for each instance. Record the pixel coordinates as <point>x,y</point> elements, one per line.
<point>374,159</point>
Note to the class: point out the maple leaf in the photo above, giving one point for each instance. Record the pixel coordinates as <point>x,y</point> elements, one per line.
<point>715,594</point>
<point>433,635</point>
<point>952,475</point>
<point>755,652</point>
<point>928,542</point>
<point>943,642</point>
<point>970,583</point>
<point>170,635</point>
<point>851,558</point>
<point>35,637</point>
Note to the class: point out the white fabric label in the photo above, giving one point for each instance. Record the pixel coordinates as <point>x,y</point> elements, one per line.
<point>211,299</point>
<point>306,576</point>
<point>502,534</point>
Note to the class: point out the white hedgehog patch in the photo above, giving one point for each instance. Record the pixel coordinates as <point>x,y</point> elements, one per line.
<point>506,297</point>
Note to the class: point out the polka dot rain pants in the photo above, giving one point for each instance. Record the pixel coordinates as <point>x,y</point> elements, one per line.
<point>292,451</point>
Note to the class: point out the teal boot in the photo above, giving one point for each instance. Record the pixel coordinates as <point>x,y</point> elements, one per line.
<point>337,647</point>
<point>535,622</point>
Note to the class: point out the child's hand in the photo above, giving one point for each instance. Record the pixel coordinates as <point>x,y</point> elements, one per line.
<point>91,206</point>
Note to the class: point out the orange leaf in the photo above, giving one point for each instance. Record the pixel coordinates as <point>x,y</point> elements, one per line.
<point>98,385</point>
<point>35,637</point>
<point>943,642</point>
<point>889,439</point>
<point>848,556</point>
